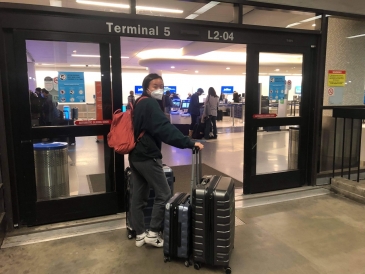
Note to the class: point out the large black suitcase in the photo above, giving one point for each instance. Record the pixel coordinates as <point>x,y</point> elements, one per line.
<point>213,224</point>
<point>199,129</point>
<point>148,209</point>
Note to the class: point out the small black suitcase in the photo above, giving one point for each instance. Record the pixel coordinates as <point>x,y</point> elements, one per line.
<point>177,233</point>
<point>148,209</point>
<point>213,224</point>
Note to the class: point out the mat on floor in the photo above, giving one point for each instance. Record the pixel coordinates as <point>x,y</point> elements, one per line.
<point>183,177</point>
<point>96,182</point>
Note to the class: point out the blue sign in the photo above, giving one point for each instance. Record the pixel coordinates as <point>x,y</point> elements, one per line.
<point>172,89</point>
<point>277,88</point>
<point>298,90</point>
<point>227,89</point>
<point>71,87</point>
<point>138,90</point>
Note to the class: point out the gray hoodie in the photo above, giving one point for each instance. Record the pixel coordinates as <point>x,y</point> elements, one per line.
<point>211,105</point>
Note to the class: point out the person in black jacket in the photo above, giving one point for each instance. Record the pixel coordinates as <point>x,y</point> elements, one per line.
<point>145,159</point>
<point>194,109</point>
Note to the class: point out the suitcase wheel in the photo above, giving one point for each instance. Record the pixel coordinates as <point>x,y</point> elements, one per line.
<point>228,270</point>
<point>130,234</point>
<point>197,266</point>
<point>166,259</point>
<point>187,263</point>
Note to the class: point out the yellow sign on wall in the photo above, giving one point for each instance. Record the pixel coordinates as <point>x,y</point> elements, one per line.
<point>336,78</point>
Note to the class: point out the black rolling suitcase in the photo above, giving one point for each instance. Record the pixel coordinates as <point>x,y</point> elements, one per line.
<point>199,129</point>
<point>148,210</point>
<point>213,223</point>
<point>177,233</point>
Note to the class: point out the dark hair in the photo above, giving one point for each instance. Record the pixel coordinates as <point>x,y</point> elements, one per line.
<point>200,90</point>
<point>38,89</point>
<point>45,91</point>
<point>147,80</point>
<point>168,93</point>
<point>212,92</point>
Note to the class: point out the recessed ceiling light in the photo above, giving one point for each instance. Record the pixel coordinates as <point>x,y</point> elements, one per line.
<point>196,71</point>
<point>172,67</point>
<point>124,6</point>
<point>277,70</point>
<point>146,68</point>
<point>185,70</point>
<point>94,56</point>
<point>228,68</point>
<point>74,51</point>
<point>313,25</point>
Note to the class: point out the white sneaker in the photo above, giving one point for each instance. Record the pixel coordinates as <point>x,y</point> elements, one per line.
<point>140,239</point>
<point>154,238</point>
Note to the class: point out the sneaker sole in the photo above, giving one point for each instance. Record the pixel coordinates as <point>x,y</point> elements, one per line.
<point>153,242</point>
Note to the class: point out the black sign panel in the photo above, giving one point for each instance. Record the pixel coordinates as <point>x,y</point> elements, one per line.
<point>165,28</point>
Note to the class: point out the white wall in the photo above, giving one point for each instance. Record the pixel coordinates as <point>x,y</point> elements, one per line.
<point>184,83</point>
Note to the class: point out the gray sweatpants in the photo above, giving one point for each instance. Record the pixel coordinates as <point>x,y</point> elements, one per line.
<point>145,175</point>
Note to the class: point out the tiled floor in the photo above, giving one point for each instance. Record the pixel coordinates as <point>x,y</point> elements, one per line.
<point>323,234</point>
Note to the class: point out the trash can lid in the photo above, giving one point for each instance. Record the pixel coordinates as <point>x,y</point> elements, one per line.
<point>49,146</point>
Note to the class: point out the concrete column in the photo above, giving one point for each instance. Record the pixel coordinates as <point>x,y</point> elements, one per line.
<point>346,54</point>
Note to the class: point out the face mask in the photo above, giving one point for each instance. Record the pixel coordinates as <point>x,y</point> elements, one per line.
<point>157,94</point>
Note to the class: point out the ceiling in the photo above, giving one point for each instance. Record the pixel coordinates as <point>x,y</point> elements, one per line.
<point>184,56</point>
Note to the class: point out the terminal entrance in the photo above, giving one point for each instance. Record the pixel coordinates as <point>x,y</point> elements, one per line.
<point>261,145</point>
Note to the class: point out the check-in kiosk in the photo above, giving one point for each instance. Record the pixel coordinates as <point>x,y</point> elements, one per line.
<point>179,116</point>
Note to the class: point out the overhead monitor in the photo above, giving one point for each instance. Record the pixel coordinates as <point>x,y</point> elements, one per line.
<point>227,89</point>
<point>172,89</point>
<point>138,90</point>
<point>185,104</point>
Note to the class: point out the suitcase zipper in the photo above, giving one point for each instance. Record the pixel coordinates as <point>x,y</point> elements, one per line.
<point>175,224</point>
<point>210,213</point>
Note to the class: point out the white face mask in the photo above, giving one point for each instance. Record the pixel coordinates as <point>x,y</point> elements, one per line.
<point>157,94</point>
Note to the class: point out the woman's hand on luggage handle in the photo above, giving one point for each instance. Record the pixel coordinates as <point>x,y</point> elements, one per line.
<point>199,146</point>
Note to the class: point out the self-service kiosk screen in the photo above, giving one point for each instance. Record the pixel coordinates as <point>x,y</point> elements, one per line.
<point>176,103</point>
<point>185,104</point>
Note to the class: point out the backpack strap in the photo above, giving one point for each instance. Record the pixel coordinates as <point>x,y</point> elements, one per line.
<point>132,108</point>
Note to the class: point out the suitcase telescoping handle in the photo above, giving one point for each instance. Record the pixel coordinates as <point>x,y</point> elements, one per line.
<point>196,168</point>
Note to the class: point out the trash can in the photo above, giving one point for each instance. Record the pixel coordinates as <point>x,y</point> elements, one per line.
<point>51,170</point>
<point>293,147</point>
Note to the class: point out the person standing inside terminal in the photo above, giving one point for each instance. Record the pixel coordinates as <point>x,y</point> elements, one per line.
<point>146,159</point>
<point>194,109</point>
<point>236,98</point>
<point>131,99</point>
<point>211,112</point>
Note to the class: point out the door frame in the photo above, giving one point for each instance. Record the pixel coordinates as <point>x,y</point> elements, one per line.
<point>34,212</point>
<point>254,183</point>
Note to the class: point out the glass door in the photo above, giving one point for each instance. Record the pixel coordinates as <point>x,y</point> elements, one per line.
<point>66,90</point>
<point>277,117</point>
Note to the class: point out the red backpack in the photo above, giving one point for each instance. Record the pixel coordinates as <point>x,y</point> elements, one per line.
<point>121,135</point>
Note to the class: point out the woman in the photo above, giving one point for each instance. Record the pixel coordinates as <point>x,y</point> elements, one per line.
<point>145,159</point>
<point>167,103</point>
<point>211,112</point>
